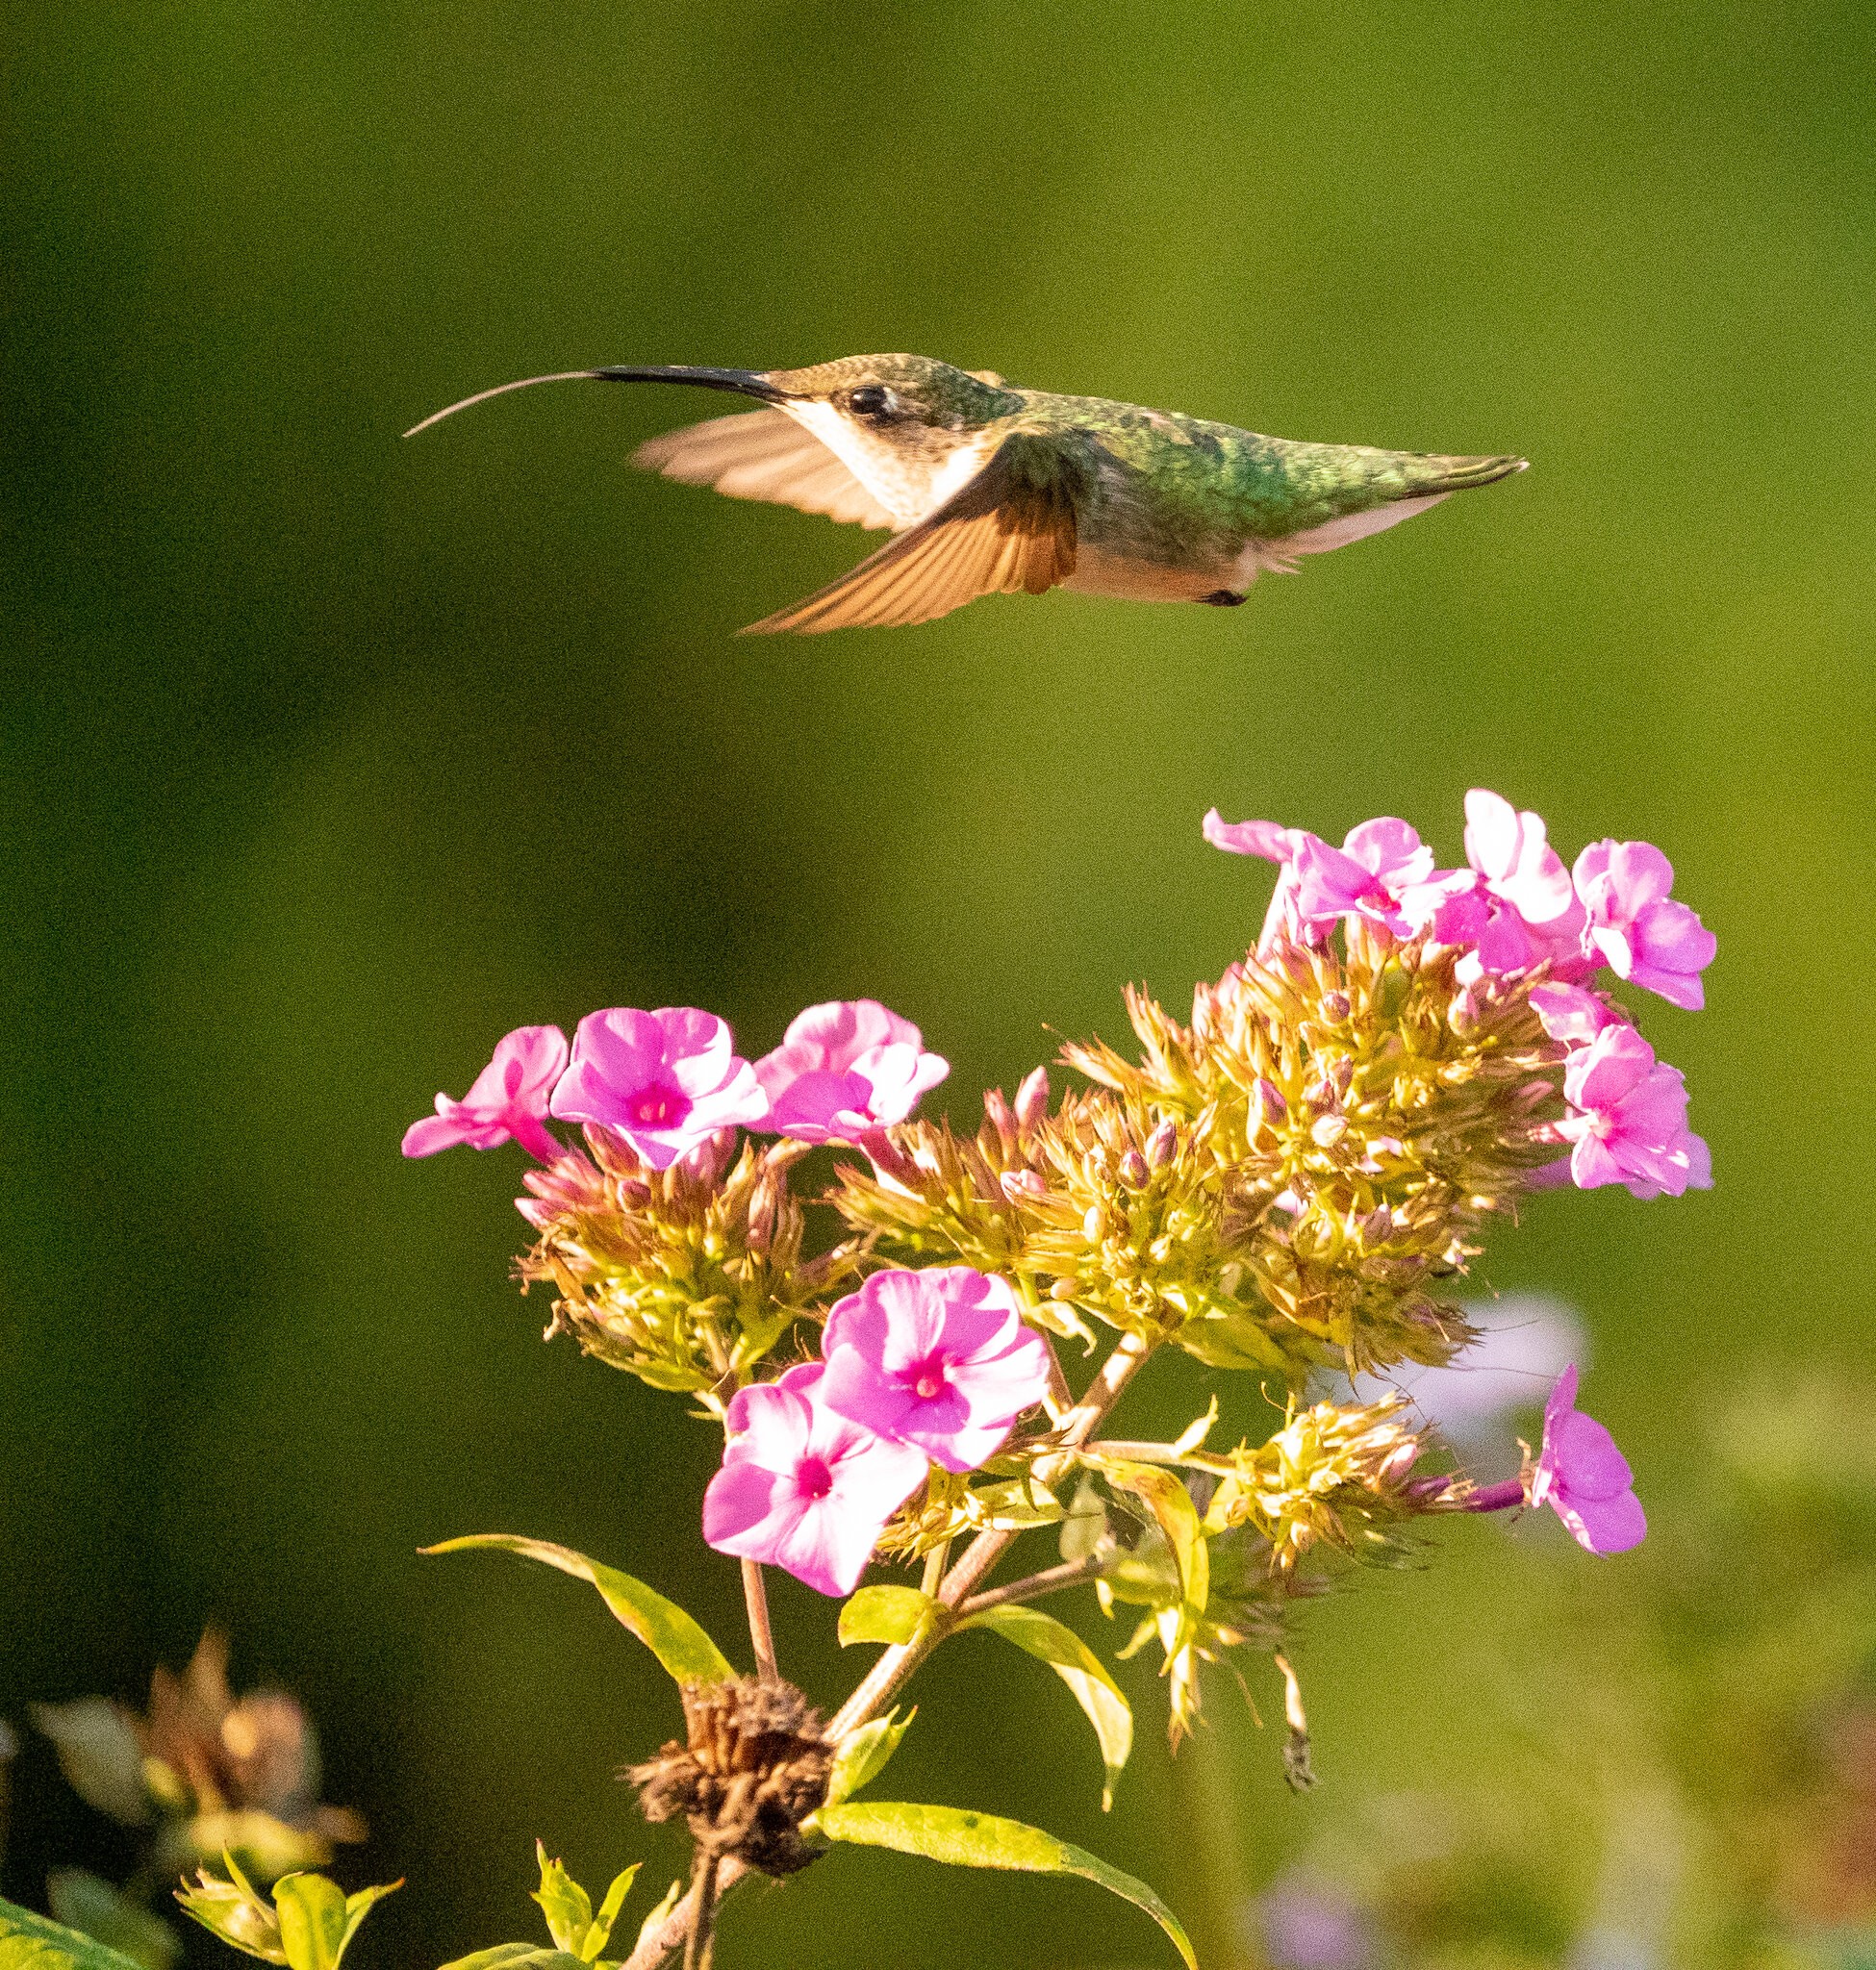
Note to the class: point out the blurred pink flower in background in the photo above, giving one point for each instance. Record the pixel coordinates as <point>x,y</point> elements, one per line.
<point>1628,1120</point>
<point>666,1080</point>
<point>803,1487</point>
<point>939,1358</point>
<point>508,1101</point>
<point>844,1069</point>
<point>1636,928</point>
<point>1583,1478</point>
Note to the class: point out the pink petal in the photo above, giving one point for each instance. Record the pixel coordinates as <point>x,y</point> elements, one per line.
<point>1615,1062</point>
<point>1639,875</point>
<point>1587,1462</point>
<point>1570,1013</point>
<point>1605,1525</point>
<point>1492,833</point>
<point>770,1423</point>
<point>1391,848</point>
<point>434,1132</point>
<point>1248,836</point>
<point>747,1510</point>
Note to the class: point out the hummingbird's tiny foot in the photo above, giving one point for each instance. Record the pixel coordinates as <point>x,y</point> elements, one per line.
<point>1224,599</point>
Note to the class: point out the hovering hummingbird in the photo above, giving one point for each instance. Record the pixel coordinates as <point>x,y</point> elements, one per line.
<point>990,488</point>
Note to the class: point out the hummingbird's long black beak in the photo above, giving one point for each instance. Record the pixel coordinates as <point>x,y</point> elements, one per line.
<point>745,381</point>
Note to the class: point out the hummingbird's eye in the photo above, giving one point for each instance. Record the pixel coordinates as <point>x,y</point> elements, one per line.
<point>871,400</point>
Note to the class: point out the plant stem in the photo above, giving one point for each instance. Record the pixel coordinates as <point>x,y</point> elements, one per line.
<point>1033,1586</point>
<point>934,1568</point>
<point>755,1597</point>
<point>699,1942</point>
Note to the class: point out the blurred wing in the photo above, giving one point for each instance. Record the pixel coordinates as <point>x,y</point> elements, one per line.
<point>764,455</point>
<point>1010,529</point>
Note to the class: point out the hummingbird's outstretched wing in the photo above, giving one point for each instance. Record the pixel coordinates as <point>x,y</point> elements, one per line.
<point>1009,529</point>
<point>763,455</point>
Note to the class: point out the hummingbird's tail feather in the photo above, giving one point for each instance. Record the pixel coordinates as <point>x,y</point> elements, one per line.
<point>1448,473</point>
<point>1011,529</point>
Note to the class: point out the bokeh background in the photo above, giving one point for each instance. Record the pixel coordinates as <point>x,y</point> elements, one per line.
<point>328,758</point>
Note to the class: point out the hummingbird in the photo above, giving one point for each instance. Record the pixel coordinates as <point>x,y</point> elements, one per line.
<point>987,488</point>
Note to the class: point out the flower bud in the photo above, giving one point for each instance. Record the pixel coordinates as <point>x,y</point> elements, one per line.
<point>1133,1170</point>
<point>1093,1224</point>
<point>1162,1143</point>
<point>1032,1099</point>
<point>1335,1006</point>
<point>997,1111</point>
<point>1329,1130</point>
<point>1378,1227</point>
<point>1270,1097</point>
<point>1065,1288</point>
<point>1462,1014</point>
<point>1019,1184</point>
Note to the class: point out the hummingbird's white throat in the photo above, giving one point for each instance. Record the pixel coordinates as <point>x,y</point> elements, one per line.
<point>909,475</point>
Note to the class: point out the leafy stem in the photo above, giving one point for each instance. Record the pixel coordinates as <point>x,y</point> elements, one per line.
<point>1033,1586</point>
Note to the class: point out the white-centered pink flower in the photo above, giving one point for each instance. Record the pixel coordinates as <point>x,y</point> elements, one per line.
<point>803,1487</point>
<point>507,1101</point>
<point>1514,903</point>
<point>1378,874</point>
<point>1583,1478</point>
<point>667,1082</point>
<point>939,1358</point>
<point>845,1069</point>
<point>1628,1119</point>
<point>1635,928</point>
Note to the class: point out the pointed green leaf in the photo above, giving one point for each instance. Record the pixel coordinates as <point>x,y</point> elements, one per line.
<point>93,1906</point>
<point>312,1913</point>
<point>688,1655</point>
<point>597,1937</point>
<point>863,1756</point>
<point>660,1915</point>
<point>884,1614</point>
<point>1174,1513</point>
<point>29,1942</point>
<point>1050,1641</point>
<point>359,1905</point>
<point>566,1906</point>
<point>975,1840</point>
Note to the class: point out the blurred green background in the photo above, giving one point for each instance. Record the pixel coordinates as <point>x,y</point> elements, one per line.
<point>328,758</point>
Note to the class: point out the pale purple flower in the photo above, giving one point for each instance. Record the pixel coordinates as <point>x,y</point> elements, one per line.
<point>508,1101</point>
<point>667,1080</point>
<point>1307,1924</point>
<point>1583,1478</point>
<point>1572,1014</point>
<point>939,1358</point>
<point>1637,928</point>
<point>1628,1119</point>
<point>844,1069</point>
<point>803,1487</point>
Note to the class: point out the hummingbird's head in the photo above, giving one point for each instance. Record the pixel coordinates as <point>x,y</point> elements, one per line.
<point>896,421</point>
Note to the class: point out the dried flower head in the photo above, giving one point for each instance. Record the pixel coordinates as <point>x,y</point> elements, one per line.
<point>753,1765</point>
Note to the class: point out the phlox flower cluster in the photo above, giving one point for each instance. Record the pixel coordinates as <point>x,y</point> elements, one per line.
<point>1515,911</point>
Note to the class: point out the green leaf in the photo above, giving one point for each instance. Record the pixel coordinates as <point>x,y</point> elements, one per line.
<point>81,1901</point>
<point>566,1906</point>
<point>863,1756</point>
<point>231,1908</point>
<point>660,1915</point>
<point>688,1655</point>
<point>359,1905</point>
<point>313,1929</point>
<point>975,1840</point>
<point>884,1614</point>
<point>29,1942</point>
<point>1050,1641</point>
<point>597,1937</point>
<point>1174,1513</point>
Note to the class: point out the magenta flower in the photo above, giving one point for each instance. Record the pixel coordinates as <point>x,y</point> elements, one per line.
<point>508,1101</point>
<point>1517,907</point>
<point>804,1488</point>
<point>844,1069</point>
<point>1628,1119</point>
<point>939,1358</point>
<point>1583,1478</point>
<point>1637,928</point>
<point>666,1080</point>
<point>1571,1014</point>
<point>1376,872</point>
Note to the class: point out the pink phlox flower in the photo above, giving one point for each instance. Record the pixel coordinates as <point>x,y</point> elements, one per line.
<point>845,1069</point>
<point>1583,1478</point>
<point>1379,866</point>
<point>1635,928</point>
<point>1628,1119</point>
<point>1514,903</point>
<point>508,1099</point>
<point>803,1487</point>
<point>939,1358</point>
<point>666,1080</point>
<point>1571,1014</point>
